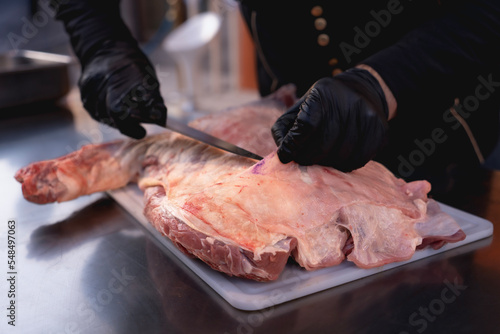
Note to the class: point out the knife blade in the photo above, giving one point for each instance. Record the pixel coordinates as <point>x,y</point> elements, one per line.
<point>184,129</point>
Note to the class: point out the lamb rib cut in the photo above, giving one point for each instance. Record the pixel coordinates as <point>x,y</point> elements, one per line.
<point>246,217</point>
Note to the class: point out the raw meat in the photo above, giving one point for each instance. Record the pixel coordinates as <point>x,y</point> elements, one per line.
<point>246,217</point>
<point>249,126</point>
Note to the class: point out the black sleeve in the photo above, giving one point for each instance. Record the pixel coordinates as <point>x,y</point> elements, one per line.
<point>437,60</point>
<point>92,23</point>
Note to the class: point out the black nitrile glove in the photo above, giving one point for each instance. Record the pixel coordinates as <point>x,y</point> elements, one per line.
<point>118,84</point>
<point>119,87</point>
<point>340,122</point>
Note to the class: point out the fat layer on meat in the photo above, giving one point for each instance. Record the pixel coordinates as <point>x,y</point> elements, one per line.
<point>246,217</point>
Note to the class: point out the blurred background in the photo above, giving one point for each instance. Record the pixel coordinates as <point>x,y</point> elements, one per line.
<point>223,71</point>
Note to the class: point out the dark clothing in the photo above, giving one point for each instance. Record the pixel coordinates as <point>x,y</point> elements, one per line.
<point>428,53</point>
<point>287,39</point>
<point>91,24</point>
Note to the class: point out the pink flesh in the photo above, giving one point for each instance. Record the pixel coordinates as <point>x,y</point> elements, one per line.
<point>244,217</point>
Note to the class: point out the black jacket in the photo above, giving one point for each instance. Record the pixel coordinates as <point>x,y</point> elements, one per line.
<point>429,52</point>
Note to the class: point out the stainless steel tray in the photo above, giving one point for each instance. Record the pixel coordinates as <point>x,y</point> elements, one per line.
<point>31,76</point>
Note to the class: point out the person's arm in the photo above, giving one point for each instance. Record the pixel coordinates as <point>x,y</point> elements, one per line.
<point>440,58</point>
<point>340,120</point>
<point>118,84</point>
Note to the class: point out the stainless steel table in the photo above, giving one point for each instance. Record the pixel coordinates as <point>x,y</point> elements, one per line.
<point>86,266</point>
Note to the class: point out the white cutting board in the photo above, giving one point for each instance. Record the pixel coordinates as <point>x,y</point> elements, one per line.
<point>294,282</point>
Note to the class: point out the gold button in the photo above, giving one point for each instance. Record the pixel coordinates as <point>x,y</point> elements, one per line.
<point>320,23</point>
<point>333,62</point>
<point>323,39</point>
<point>317,11</point>
<point>336,71</point>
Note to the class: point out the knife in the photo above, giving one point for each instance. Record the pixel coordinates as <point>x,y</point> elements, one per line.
<point>184,129</point>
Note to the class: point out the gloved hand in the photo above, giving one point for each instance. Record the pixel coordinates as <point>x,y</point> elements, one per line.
<point>119,87</point>
<point>118,84</point>
<point>340,122</point>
